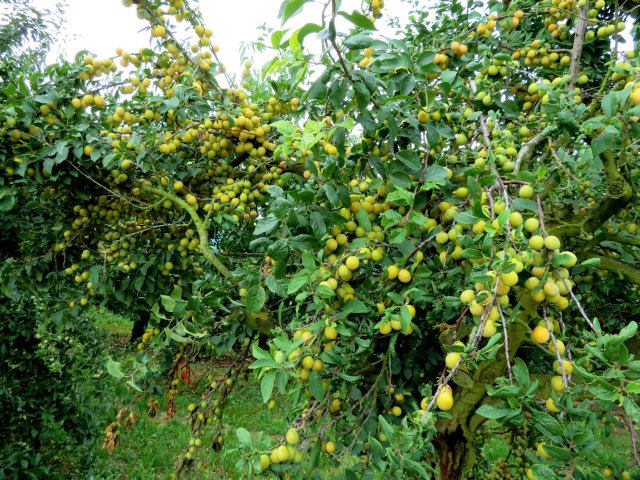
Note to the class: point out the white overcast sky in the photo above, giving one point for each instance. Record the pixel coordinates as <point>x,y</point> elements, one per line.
<point>101,26</point>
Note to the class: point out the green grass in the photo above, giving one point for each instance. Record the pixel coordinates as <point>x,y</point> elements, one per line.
<point>149,449</point>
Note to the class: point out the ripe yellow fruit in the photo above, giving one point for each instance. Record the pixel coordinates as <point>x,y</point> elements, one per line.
<point>444,400</point>
<point>292,436</point>
<point>552,242</point>
<point>540,334</point>
<point>396,411</point>
<point>476,309</point>
<point>377,254</point>
<point>412,310</point>
<point>557,383</point>
<point>352,263</point>
<point>509,279</point>
<point>490,329</point>
<point>452,358</point>
<point>551,406</point>
<point>551,289</point>
<point>515,219</point>
<point>526,191</point>
<point>392,272</point>
<point>344,273</point>
<point>178,186</point>
<point>531,224</point>
<point>404,275</point>
<point>559,344</point>
<point>568,367</point>
<point>307,362</point>
<point>331,245</point>
<point>536,242</point>
<point>264,461</point>
<point>385,328</point>
<point>330,447</point>
<point>423,117</point>
<point>191,200</point>
<point>467,296</point>
<point>331,333</point>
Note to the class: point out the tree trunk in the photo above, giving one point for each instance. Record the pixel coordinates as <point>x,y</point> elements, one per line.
<point>140,323</point>
<point>455,439</point>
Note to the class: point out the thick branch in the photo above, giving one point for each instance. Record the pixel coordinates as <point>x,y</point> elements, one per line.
<point>526,151</point>
<point>578,45</point>
<point>619,194</point>
<point>619,267</point>
<point>201,228</point>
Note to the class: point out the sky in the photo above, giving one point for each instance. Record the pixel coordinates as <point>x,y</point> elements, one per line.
<point>101,26</point>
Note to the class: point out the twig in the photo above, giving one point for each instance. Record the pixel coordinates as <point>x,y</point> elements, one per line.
<point>634,439</point>
<point>565,378</point>
<point>584,314</point>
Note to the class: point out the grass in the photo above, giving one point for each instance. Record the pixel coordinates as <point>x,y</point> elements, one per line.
<point>148,450</point>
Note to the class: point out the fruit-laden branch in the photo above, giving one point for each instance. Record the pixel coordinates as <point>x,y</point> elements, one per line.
<point>619,195</point>
<point>619,267</point>
<point>201,228</point>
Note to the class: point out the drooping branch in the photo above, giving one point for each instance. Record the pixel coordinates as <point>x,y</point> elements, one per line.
<point>201,228</point>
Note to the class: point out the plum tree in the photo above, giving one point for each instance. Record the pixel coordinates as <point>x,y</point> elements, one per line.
<point>383,236</point>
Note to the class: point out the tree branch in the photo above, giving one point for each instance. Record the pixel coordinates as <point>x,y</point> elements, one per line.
<point>201,228</point>
<point>578,45</point>
<point>527,149</point>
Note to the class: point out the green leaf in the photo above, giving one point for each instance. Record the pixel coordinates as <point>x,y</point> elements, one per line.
<point>358,42</point>
<point>168,303</point>
<point>525,204</point>
<point>315,386</point>
<point>465,218</point>
<point>560,259</point>
<point>400,197</point>
<point>590,262</point>
<point>471,253</point>
<point>363,219</point>
<point>265,225</point>
<point>297,282</point>
<point>114,368</point>
<point>317,224</point>
<point>244,437</point>
<point>489,411</point>
<point>289,8</point>
<point>610,104</point>
<point>436,174</point>
<point>7,200</point>
<point>358,19</point>
<point>352,306</point>
<point>542,472</point>
<point>410,159</point>
<point>324,291</point>
<point>266,386</point>
<point>521,373</point>
<point>256,296</point>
